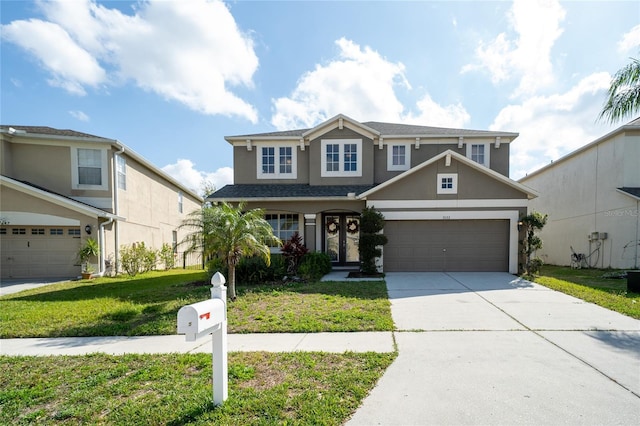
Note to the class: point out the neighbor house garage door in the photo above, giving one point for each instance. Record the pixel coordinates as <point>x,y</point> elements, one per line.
<point>452,245</point>
<point>39,252</point>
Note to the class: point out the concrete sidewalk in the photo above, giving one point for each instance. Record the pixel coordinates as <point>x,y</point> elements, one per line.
<point>488,348</point>
<point>281,342</point>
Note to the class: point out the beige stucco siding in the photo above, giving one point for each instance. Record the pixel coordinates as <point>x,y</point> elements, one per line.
<point>580,196</point>
<point>150,208</point>
<point>48,166</point>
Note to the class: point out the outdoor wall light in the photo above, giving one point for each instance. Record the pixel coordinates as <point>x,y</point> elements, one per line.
<point>520,226</point>
<point>87,229</point>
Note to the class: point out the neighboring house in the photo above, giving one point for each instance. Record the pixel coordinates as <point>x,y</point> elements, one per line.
<point>445,193</point>
<point>58,189</point>
<point>592,197</point>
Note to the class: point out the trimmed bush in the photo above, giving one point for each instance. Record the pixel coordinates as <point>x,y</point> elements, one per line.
<point>314,266</point>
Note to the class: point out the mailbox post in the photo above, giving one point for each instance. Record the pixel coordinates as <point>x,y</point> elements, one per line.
<point>210,317</point>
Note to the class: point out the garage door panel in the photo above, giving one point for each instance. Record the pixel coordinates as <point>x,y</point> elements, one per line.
<point>39,255</point>
<point>465,245</point>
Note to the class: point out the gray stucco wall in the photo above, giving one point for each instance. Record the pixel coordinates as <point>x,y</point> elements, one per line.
<point>472,184</point>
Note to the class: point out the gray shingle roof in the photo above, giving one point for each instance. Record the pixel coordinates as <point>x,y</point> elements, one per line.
<point>395,129</point>
<point>44,130</point>
<point>249,191</point>
<point>631,191</point>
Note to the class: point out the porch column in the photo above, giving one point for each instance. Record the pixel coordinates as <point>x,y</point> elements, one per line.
<point>310,231</point>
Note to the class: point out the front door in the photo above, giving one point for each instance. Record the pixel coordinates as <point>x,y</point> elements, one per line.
<point>341,236</point>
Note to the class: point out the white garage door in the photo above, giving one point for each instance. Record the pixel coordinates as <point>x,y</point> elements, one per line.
<point>452,245</point>
<point>39,252</point>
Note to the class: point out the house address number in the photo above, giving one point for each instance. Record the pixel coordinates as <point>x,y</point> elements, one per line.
<point>446,217</point>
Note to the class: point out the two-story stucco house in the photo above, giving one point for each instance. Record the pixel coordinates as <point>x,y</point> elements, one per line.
<point>445,193</point>
<point>60,187</point>
<point>592,197</point>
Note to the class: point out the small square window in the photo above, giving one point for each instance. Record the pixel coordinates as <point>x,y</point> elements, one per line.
<point>19,231</point>
<point>37,231</point>
<point>74,232</point>
<point>56,231</point>
<point>447,183</point>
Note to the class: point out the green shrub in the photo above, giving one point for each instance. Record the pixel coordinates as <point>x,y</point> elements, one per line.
<point>216,264</point>
<point>314,266</point>
<point>371,223</point>
<point>167,257</point>
<point>137,258</point>
<point>251,270</point>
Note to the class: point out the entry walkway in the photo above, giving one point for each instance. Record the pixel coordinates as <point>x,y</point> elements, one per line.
<point>488,348</point>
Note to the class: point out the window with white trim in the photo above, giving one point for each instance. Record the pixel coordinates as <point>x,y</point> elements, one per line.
<point>277,161</point>
<point>398,157</point>
<point>89,168</point>
<point>121,170</point>
<point>284,225</point>
<point>179,201</point>
<point>341,157</point>
<point>479,152</point>
<point>447,183</point>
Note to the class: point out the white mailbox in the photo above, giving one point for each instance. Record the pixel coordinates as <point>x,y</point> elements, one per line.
<point>201,318</point>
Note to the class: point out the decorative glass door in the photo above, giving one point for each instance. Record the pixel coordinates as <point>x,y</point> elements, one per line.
<point>341,237</point>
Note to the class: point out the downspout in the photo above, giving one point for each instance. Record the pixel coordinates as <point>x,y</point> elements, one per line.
<point>116,210</point>
<point>102,268</point>
<point>635,262</point>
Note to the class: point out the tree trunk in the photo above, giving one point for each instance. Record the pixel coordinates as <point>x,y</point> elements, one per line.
<point>232,281</point>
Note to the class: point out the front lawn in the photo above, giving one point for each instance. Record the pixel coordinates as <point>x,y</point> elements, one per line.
<point>175,389</point>
<point>592,286</point>
<point>148,304</point>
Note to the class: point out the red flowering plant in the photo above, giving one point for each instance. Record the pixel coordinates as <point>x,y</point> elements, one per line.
<point>293,250</point>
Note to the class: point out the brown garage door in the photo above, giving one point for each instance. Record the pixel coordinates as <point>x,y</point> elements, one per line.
<point>39,252</point>
<point>451,245</point>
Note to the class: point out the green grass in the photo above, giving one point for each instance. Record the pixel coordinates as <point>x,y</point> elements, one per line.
<point>591,285</point>
<point>312,307</point>
<point>148,305</point>
<point>175,389</point>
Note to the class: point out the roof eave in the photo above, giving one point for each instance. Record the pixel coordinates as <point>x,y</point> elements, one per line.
<point>57,199</point>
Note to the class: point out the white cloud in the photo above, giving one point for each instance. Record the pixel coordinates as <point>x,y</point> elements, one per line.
<point>360,83</point>
<point>433,114</point>
<point>79,115</point>
<point>552,126</point>
<point>184,171</point>
<point>630,41</point>
<point>526,55</point>
<point>190,51</point>
<point>71,67</point>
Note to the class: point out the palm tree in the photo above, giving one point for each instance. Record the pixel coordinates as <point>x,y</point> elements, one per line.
<point>230,234</point>
<point>624,94</point>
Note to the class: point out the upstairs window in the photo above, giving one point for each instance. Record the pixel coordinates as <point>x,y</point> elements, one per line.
<point>179,202</point>
<point>341,157</point>
<point>479,153</point>
<point>277,162</point>
<point>398,157</point>
<point>89,168</point>
<point>121,169</point>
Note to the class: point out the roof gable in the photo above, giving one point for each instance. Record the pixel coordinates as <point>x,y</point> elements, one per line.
<point>450,155</point>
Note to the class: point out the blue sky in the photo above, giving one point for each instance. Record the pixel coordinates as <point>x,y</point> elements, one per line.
<point>171,78</point>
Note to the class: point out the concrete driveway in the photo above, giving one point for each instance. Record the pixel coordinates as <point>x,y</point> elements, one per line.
<point>11,286</point>
<point>489,348</point>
